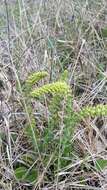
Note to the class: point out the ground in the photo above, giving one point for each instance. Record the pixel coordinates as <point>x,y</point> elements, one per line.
<point>53,36</point>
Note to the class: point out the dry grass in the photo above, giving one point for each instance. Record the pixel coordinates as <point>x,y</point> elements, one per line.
<point>53,35</point>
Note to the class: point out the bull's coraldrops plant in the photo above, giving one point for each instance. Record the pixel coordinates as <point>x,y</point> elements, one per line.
<point>24,173</point>
<point>59,129</point>
<point>31,131</point>
<point>59,90</point>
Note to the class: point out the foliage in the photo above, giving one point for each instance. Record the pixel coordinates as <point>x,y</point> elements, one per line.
<point>25,175</point>
<point>101,164</point>
<point>58,133</point>
<point>40,134</point>
<point>104,32</point>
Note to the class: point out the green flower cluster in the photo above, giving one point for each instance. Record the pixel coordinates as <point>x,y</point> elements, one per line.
<point>35,77</point>
<point>53,88</point>
<point>99,110</point>
<point>61,88</point>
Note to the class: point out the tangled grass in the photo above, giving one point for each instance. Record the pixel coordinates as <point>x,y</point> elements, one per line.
<point>43,145</point>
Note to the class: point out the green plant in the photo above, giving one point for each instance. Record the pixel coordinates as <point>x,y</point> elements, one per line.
<point>101,164</point>
<point>23,173</point>
<point>60,103</point>
<point>57,135</point>
<point>31,131</point>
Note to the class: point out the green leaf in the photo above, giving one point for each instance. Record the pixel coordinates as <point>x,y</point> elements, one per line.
<point>28,158</point>
<point>51,43</point>
<point>25,175</point>
<point>101,69</point>
<point>101,164</point>
<point>32,176</point>
<point>64,76</point>
<point>104,32</point>
<point>20,172</point>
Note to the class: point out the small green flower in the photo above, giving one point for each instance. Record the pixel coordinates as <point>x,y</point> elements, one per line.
<point>92,111</point>
<point>53,88</point>
<point>35,77</point>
